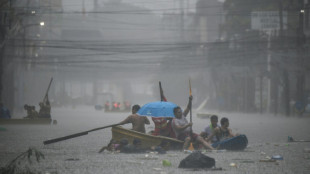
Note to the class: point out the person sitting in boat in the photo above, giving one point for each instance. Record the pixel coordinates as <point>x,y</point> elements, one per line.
<point>137,121</point>
<point>115,146</point>
<point>107,106</point>
<point>182,128</point>
<point>135,147</point>
<point>163,127</point>
<point>118,107</point>
<point>31,112</point>
<point>114,106</point>
<point>28,109</point>
<point>34,113</point>
<point>4,112</point>
<point>45,109</point>
<point>161,148</point>
<point>222,132</point>
<point>209,129</point>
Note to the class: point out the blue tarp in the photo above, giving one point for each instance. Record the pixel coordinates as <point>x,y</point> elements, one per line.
<point>235,143</point>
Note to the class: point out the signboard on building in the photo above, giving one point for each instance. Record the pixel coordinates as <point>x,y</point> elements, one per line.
<point>267,20</point>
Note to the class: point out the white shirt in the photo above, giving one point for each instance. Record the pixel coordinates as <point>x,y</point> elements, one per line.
<point>209,129</point>
<point>180,122</point>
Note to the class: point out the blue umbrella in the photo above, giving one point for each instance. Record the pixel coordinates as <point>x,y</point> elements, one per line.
<point>157,109</point>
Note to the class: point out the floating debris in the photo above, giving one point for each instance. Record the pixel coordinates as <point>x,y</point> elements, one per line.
<point>277,157</point>
<point>72,159</point>
<point>166,163</point>
<point>233,165</point>
<point>268,157</point>
<point>24,162</point>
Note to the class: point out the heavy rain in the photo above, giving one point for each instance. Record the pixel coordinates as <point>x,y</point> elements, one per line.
<point>72,69</point>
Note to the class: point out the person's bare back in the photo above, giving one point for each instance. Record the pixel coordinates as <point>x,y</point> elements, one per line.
<point>137,121</point>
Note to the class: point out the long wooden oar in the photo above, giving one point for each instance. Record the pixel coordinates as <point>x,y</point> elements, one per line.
<point>48,88</point>
<point>190,115</point>
<point>77,134</point>
<point>190,94</point>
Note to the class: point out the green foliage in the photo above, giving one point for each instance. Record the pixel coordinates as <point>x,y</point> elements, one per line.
<point>22,164</point>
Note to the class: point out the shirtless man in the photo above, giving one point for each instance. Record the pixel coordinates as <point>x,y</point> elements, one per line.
<point>137,121</point>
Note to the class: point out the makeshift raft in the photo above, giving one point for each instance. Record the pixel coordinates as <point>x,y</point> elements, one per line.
<point>147,140</point>
<point>235,143</point>
<point>37,121</point>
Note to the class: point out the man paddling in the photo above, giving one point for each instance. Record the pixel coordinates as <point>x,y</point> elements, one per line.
<point>137,121</point>
<point>45,109</point>
<point>181,127</point>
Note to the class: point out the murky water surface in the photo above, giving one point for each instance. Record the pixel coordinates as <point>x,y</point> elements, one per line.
<point>267,137</point>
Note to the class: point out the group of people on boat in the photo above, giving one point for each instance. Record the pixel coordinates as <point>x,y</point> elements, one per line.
<point>179,128</point>
<point>44,111</point>
<point>116,106</point>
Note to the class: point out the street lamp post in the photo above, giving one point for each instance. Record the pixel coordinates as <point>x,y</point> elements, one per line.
<point>25,28</point>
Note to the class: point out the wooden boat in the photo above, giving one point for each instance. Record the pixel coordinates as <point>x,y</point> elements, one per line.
<point>28,121</point>
<point>147,140</point>
<point>235,143</point>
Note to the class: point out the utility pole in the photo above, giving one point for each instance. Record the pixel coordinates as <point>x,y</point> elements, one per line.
<point>269,98</point>
<point>182,20</point>
<point>285,75</point>
<point>2,46</point>
<point>300,85</point>
<point>261,93</point>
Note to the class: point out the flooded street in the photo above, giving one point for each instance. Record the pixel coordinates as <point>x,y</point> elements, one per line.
<point>267,136</point>
<point>236,58</point>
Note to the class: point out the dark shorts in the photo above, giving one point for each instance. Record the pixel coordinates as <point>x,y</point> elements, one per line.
<point>183,136</point>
